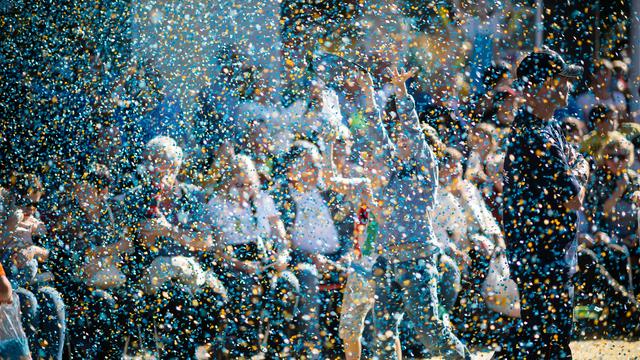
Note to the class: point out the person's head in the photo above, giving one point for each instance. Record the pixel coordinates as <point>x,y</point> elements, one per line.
<point>162,159</point>
<point>617,154</point>
<point>506,103</point>
<point>495,168</point>
<point>28,190</point>
<point>450,166</point>
<point>304,164</point>
<point>482,138</point>
<point>603,118</point>
<point>545,78</point>
<point>259,138</point>
<point>574,129</point>
<point>243,177</point>
<point>93,186</point>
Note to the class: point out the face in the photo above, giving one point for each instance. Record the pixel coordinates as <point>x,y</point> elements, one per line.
<point>306,169</point>
<point>161,170</point>
<point>616,160</point>
<point>507,111</point>
<point>560,93</point>
<point>243,183</point>
<point>403,145</point>
<point>259,138</point>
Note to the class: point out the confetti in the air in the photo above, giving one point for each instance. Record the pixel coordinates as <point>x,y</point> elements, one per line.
<point>303,179</point>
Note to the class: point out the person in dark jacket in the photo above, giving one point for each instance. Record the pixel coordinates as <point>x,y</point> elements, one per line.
<point>544,186</point>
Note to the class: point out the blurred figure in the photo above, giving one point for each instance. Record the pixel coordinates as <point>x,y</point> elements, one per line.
<point>166,220</point>
<point>600,93</point>
<point>12,348</point>
<point>21,245</point>
<point>318,211</point>
<point>575,130</point>
<point>255,252</point>
<point>603,120</point>
<point>406,274</point>
<point>85,263</point>
<point>472,237</point>
<point>482,145</point>
<point>544,186</point>
<point>614,194</point>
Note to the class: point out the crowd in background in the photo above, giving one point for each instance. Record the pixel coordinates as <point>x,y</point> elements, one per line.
<point>253,226</point>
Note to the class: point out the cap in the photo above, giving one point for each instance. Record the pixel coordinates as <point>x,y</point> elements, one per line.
<point>538,66</point>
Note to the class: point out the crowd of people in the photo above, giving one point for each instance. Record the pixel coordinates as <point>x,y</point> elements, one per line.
<point>345,213</point>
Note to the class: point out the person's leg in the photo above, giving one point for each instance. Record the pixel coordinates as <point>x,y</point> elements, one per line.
<point>357,302</point>
<point>53,324</point>
<point>243,320</point>
<point>558,335</point>
<point>80,342</point>
<point>280,307</point>
<point>212,298</point>
<point>387,311</point>
<point>330,304</point>
<point>307,344</point>
<point>29,309</point>
<point>419,281</point>
<point>174,320</point>
<point>547,314</point>
<point>107,334</point>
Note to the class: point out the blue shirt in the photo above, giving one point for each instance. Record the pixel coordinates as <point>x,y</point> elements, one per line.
<point>408,198</point>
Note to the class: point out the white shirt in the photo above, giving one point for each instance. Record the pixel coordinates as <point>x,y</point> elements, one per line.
<point>236,220</point>
<point>449,216</point>
<point>314,231</point>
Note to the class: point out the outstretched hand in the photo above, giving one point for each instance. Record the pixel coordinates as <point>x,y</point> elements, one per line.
<point>399,80</point>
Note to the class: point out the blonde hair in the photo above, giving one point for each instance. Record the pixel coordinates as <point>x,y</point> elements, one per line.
<point>166,148</point>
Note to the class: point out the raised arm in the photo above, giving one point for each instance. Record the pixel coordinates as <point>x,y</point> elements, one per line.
<point>370,137</point>
<point>408,124</point>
